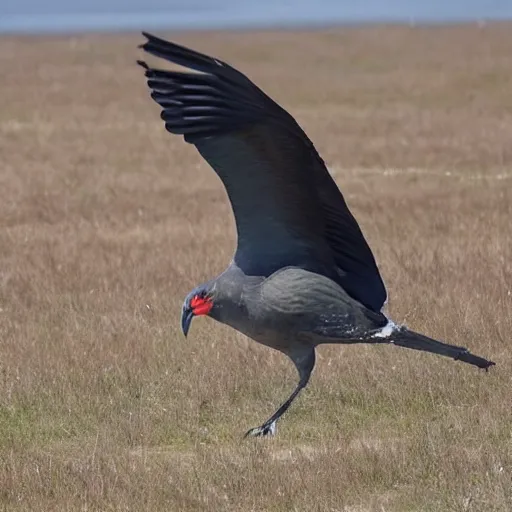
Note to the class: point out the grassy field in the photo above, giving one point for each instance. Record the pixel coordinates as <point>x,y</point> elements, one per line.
<point>106,222</point>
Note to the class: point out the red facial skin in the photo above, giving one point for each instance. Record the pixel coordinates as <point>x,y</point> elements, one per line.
<point>201,305</point>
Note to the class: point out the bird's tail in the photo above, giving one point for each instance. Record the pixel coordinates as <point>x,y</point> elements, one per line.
<point>403,337</point>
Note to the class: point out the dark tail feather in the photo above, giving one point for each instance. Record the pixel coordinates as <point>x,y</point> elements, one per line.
<point>410,339</point>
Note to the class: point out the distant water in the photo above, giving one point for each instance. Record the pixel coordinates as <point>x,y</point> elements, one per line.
<point>39,16</point>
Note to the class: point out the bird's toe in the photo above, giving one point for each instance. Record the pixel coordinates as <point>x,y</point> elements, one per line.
<point>265,430</point>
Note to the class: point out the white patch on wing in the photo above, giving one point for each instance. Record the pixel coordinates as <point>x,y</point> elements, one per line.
<point>386,331</point>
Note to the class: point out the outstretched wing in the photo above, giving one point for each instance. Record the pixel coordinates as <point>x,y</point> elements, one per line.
<point>287,208</point>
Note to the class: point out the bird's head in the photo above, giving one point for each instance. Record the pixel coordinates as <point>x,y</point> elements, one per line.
<point>199,301</point>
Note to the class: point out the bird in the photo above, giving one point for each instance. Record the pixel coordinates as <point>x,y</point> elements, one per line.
<point>302,273</point>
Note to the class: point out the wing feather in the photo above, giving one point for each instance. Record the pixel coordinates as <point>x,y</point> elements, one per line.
<point>288,209</point>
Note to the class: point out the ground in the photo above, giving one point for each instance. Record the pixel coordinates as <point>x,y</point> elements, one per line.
<point>107,221</point>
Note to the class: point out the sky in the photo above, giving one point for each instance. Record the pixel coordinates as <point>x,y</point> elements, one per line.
<point>76,15</point>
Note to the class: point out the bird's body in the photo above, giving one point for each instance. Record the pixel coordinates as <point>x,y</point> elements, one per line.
<point>303,273</point>
<point>290,306</point>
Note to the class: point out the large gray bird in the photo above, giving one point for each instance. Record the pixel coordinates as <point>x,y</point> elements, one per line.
<point>302,273</point>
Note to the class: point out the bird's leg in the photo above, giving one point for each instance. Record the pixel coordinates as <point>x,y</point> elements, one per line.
<point>304,361</point>
<point>269,427</point>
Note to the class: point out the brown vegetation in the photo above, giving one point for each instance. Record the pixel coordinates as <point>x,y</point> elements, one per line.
<point>106,221</point>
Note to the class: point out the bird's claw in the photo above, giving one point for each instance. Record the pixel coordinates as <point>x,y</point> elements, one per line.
<point>266,430</point>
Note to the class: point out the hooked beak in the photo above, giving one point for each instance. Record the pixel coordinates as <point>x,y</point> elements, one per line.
<point>186,319</point>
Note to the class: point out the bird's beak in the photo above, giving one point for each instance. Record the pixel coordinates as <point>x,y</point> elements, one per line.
<point>186,319</point>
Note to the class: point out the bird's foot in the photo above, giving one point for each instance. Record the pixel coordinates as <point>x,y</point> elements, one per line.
<point>267,429</point>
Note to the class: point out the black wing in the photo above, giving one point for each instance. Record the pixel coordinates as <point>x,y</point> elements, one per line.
<point>288,209</point>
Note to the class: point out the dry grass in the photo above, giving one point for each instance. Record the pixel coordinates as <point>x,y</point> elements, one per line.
<point>106,221</point>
